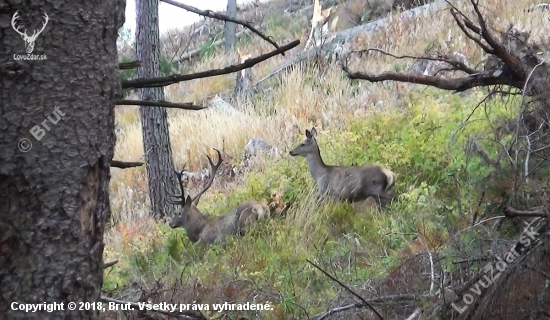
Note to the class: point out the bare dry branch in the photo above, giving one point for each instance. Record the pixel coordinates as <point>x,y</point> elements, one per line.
<point>458,66</point>
<point>363,301</point>
<point>480,79</point>
<point>463,22</point>
<point>168,80</point>
<point>534,212</point>
<point>384,299</point>
<point>499,50</point>
<point>125,165</point>
<point>223,17</point>
<point>129,65</point>
<point>163,104</point>
<point>415,314</point>
<point>109,264</point>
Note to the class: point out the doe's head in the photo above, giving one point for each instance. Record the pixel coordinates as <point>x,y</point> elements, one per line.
<point>307,146</point>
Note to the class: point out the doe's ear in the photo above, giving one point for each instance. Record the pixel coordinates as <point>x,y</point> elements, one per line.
<point>308,134</point>
<point>313,132</point>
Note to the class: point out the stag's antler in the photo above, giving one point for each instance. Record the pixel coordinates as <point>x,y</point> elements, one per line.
<point>181,199</point>
<point>212,175</point>
<point>178,199</point>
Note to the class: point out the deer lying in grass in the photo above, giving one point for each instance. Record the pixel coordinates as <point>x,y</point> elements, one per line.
<point>352,183</point>
<point>213,230</point>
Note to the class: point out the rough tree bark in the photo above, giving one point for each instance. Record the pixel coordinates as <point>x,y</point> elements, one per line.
<point>230,27</point>
<point>154,121</point>
<point>57,122</point>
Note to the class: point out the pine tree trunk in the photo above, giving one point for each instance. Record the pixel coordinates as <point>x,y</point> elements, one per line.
<point>57,123</point>
<point>154,120</point>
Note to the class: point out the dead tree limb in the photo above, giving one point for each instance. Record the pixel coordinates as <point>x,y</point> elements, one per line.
<point>223,17</point>
<point>109,264</point>
<point>125,165</point>
<point>534,212</point>
<point>129,65</point>
<point>168,80</point>
<point>163,104</point>
<point>480,79</point>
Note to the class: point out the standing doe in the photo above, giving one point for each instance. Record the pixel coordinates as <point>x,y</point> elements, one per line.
<point>213,230</point>
<point>351,183</point>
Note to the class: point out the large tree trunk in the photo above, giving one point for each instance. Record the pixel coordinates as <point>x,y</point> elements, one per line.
<point>154,120</point>
<point>57,122</point>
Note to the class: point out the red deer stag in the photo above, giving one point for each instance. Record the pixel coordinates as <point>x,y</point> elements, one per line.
<point>352,183</point>
<point>213,230</point>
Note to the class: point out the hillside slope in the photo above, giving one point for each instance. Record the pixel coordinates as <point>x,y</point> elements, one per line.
<point>417,254</point>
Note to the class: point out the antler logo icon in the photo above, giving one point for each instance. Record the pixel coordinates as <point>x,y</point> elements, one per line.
<point>29,40</point>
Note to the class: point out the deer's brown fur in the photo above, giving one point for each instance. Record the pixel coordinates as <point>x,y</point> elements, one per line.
<point>216,229</point>
<point>345,183</point>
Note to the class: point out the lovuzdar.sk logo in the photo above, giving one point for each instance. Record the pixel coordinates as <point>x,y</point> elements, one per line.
<point>29,39</point>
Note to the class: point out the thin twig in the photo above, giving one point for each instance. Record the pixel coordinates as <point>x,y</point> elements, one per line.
<point>431,266</point>
<point>347,288</point>
<point>457,64</point>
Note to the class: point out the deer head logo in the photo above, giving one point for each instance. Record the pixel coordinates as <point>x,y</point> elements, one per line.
<point>29,40</point>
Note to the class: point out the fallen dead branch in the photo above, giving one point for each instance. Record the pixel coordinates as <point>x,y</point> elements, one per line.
<point>534,212</point>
